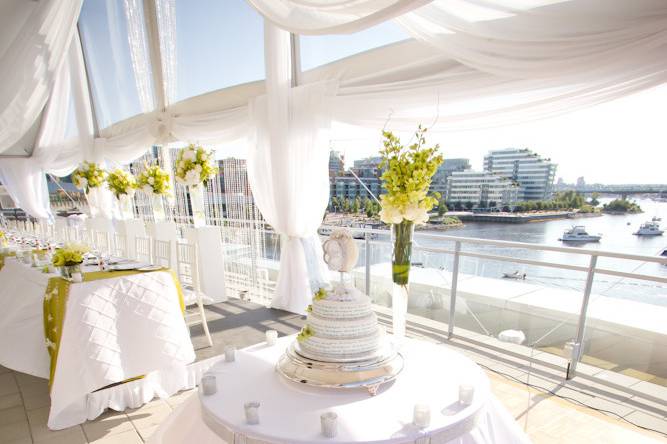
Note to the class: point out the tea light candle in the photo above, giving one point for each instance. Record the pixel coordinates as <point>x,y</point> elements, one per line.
<point>251,412</point>
<point>421,415</point>
<point>271,337</point>
<point>209,385</point>
<point>329,422</point>
<point>230,353</point>
<point>77,277</point>
<point>466,394</point>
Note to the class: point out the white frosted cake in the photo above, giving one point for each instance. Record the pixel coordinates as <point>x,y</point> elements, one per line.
<point>340,326</point>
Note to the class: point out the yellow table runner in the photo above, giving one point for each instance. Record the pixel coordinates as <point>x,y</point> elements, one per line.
<point>55,304</point>
<point>3,256</point>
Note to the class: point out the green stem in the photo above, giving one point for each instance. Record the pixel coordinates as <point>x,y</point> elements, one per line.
<point>400,264</point>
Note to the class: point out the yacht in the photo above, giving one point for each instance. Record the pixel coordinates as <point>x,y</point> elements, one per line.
<point>649,229</point>
<point>579,234</point>
<point>656,219</point>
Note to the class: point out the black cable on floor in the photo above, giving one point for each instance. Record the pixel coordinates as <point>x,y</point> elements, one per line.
<point>576,401</point>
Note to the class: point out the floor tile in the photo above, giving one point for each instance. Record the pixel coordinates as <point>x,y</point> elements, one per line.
<point>15,431</point>
<point>38,419</point>
<point>649,421</point>
<point>8,384</point>
<point>73,435</point>
<point>11,400</point>
<point>12,415</point>
<point>109,423</point>
<point>128,437</point>
<point>150,415</point>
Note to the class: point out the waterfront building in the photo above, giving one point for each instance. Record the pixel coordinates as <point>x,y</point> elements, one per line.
<point>336,163</point>
<point>446,168</point>
<point>481,188</point>
<point>344,185</point>
<point>534,174</point>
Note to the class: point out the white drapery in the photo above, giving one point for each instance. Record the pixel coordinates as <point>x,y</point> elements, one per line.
<point>288,170</point>
<point>331,16</point>
<point>29,64</point>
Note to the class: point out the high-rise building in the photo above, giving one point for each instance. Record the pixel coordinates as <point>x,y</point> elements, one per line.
<point>446,168</point>
<point>336,163</point>
<point>345,186</point>
<point>481,188</point>
<point>581,183</point>
<point>534,174</point>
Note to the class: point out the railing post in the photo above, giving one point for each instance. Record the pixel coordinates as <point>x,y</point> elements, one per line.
<point>367,260</point>
<point>452,292</point>
<point>578,347</point>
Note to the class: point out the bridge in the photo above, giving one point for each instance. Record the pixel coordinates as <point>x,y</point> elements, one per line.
<point>623,190</point>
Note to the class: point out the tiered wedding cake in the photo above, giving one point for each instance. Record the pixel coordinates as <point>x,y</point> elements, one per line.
<point>341,326</point>
<point>341,345</point>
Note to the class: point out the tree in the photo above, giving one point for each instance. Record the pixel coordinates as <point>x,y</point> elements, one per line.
<point>594,199</point>
<point>355,205</point>
<point>442,208</point>
<point>458,206</point>
<point>335,203</point>
<point>346,205</point>
<point>493,204</point>
<point>469,205</point>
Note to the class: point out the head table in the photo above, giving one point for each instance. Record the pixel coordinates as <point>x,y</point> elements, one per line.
<point>290,412</point>
<point>110,328</point>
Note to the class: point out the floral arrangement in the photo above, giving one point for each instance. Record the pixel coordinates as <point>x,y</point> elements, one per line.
<point>320,294</point>
<point>305,333</point>
<point>194,166</point>
<point>121,183</point>
<point>3,238</point>
<point>153,180</point>
<point>69,255</point>
<point>88,175</point>
<point>407,179</point>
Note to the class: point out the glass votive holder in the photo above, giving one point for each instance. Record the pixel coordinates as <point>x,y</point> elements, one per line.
<point>209,385</point>
<point>421,416</point>
<point>77,277</point>
<point>230,353</point>
<point>329,421</point>
<point>271,337</point>
<point>251,412</point>
<point>466,394</point>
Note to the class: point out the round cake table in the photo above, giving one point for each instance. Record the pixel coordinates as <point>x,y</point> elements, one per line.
<point>290,412</point>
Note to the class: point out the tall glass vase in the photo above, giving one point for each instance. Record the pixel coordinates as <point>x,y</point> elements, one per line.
<point>197,204</point>
<point>125,204</point>
<point>401,235</point>
<point>158,208</point>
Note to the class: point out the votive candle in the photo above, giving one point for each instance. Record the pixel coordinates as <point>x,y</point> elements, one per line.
<point>271,337</point>
<point>329,422</point>
<point>251,412</point>
<point>209,385</point>
<point>466,394</point>
<point>421,415</point>
<point>230,353</point>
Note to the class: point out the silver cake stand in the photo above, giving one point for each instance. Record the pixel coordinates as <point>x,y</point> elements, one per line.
<point>369,374</point>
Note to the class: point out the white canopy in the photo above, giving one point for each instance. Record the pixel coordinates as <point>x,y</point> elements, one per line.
<point>473,63</point>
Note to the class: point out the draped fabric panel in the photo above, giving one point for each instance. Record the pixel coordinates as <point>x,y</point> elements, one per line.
<point>331,16</point>
<point>288,170</point>
<point>29,64</point>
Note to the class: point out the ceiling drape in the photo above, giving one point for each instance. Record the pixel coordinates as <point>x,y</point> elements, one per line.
<point>29,63</point>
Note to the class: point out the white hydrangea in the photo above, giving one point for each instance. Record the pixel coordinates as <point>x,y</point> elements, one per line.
<point>189,154</point>
<point>390,215</point>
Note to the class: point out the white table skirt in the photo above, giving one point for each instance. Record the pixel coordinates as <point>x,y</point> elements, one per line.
<point>289,412</point>
<point>114,329</point>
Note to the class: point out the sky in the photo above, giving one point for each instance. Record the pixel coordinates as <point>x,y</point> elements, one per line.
<point>622,141</point>
<point>220,43</point>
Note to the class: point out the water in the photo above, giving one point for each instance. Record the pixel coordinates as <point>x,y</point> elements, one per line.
<point>617,237</point>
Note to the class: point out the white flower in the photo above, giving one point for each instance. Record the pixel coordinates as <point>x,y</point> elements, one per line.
<point>189,154</point>
<point>390,215</point>
<point>192,177</point>
<point>147,189</point>
<point>151,180</point>
<point>82,182</point>
<point>198,168</point>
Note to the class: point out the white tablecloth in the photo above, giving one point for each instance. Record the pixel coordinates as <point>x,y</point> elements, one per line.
<point>289,412</point>
<point>114,329</point>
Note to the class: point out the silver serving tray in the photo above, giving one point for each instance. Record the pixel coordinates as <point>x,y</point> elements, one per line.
<point>369,374</point>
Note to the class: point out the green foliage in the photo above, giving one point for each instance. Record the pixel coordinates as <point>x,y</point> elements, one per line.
<point>442,208</point>
<point>622,206</point>
<point>194,165</point>
<point>71,254</point>
<point>407,178</point>
<point>469,205</point>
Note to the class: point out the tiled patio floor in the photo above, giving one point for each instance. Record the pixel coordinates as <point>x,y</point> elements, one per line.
<point>24,400</point>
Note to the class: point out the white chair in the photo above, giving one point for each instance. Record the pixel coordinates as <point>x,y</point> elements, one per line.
<point>162,253</point>
<point>142,249</point>
<point>188,274</point>
<point>119,245</point>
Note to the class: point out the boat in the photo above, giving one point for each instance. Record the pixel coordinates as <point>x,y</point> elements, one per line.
<point>578,233</point>
<point>515,275</point>
<point>649,229</point>
<point>324,231</point>
<point>656,219</point>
